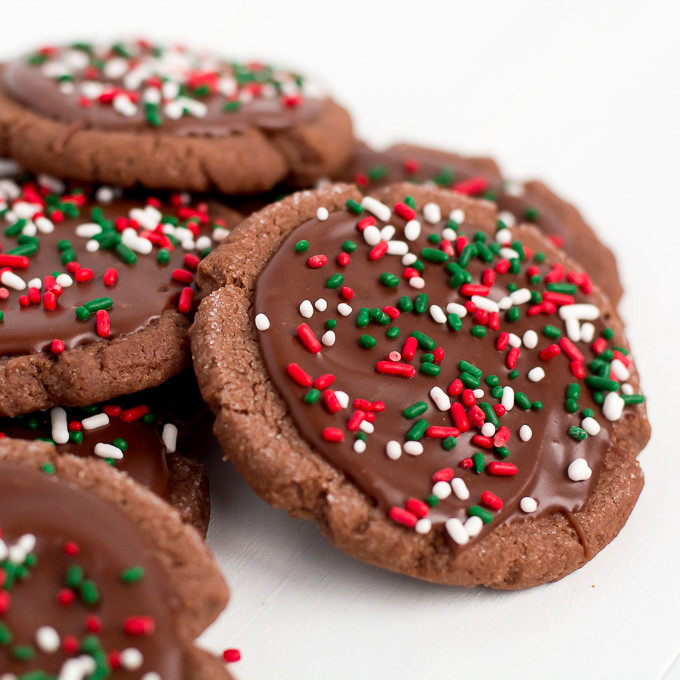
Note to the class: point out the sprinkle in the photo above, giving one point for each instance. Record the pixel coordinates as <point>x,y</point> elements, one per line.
<point>95,421</point>
<point>380,210</point>
<point>108,451</point>
<point>412,230</point>
<point>403,517</point>
<point>536,374</point>
<point>456,531</point>
<point>579,470</point>
<point>473,526</point>
<point>460,488</point>
<point>528,504</point>
<point>322,214</point>
<point>440,399</point>
<point>393,450</point>
<point>441,490</point>
<point>308,338</point>
<point>591,426</point>
<point>525,433</point>
<point>231,655</point>
<point>413,448</point>
<point>262,322</point>
<point>169,437</point>
<point>60,433</point>
<point>502,469</point>
<point>613,406</point>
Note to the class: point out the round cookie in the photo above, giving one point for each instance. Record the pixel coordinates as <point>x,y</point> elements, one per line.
<point>447,397</point>
<point>147,435</point>
<point>100,577</point>
<point>518,202</point>
<point>168,117</point>
<point>96,289</point>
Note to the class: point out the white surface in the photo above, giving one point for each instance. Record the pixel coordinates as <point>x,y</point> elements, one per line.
<point>581,94</point>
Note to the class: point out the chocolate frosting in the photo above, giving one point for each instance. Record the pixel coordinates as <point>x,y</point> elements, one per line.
<point>542,462</point>
<point>141,293</point>
<point>267,98</point>
<point>57,512</point>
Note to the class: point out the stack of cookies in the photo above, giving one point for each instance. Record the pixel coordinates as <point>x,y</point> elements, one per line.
<point>401,345</point>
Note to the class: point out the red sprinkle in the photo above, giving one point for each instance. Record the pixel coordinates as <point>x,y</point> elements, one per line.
<point>443,475</point>
<point>599,345</point>
<point>308,338</point>
<point>185,299</point>
<point>112,411</point>
<point>475,416</point>
<point>502,436</point>
<point>472,185</point>
<point>300,376</point>
<point>482,441</point>
<point>332,434</point>
<point>344,259</point>
<point>491,500</point>
<point>66,597</point>
<point>502,469</point>
<point>513,356</point>
<point>409,349</point>
<point>378,251</point>
<point>323,381</point>
<point>404,211</point>
<point>57,346</point>
<point>347,292</point>
<point>468,397</point>
<point>83,274</point>
<point>331,402</point>
<point>366,222</point>
<point>182,276</point>
<point>441,432</point>
<point>134,413</point>
<point>93,624</point>
<point>71,548</point>
<point>392,368</point>
<point>49,301</point>
<point>549,352</point>
<point>401,516</point>
<point>103,323</point>
<point>355,420</point>
<point>110,277</point>
<point>231,655</point>
<point>456,387</point>
<point>502,341</point>
<point>571,350</point>
<point>138,625</point>
<point>459,418</point>
<point>317,261</point>
<point>417,507</point>
<point>577,369</point>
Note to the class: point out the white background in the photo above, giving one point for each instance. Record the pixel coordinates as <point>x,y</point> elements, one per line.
<point>581,94</point>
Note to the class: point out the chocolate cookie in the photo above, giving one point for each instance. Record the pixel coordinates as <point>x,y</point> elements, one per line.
<point>447,397</point>
<point>168,117</point>
<point>518,202</point>
<point>96,289</point>
<point>100,578</point>
<point>147,435</point>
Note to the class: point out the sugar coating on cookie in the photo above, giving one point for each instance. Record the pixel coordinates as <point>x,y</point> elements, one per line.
<point>482,381</point>
<point>138,84</point>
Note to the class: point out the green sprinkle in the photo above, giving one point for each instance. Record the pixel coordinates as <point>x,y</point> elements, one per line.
<point>469,380</point>
<point>377,172</point>
<point>354,207</point>
<point>633,399</point>
<point>452,224</point>
<point>393,332</point>
<point>367,341</point>
<point>390,280</point>
<point>64,244</point>
<point>417,430</point>
<point>89,592</point>
<point>23,652</point>
<point>571,405</point>
<point>515,265</point>
<point>434,238</point>
<point>531,214</point>
<point>148,418</point>
<point>567,288</point>
<point>120,444</point>
<point>230,107</point>
<point>415,410</point>
<point>301,246</point>
<point>312,396</point>
<point>466,255</point>
<point>551,332</point>
<point>74,576</point>
<point>483,253</point>
<point>361,435</point>
<point>522,401</point>
<point>490,414</point>
<point>444,177</point>
<point>125,254</point>
<point>537,405</point>
<point>448,443</point>
<point>598,397</point>
<point>479,237</point>
<point>48,468</point>
<point>478,462</point>
<point>482,513</point>
<point>501,451</point>
<point>478,331</point>
<point>429,369</point>
<point>76,437</point>
<point>363,317</point>
<point>68,256</point>
<point>335,280</point>
<point>454,321</point>
<point>573,391</point>
<point>597,383</point>
<point>588,413</point>
<point>607,333</point>
<point>419,266</point>
<point>410,202</point>
<point>15,229</point>
<point>163,256</point>
<point>577,433</point>
<point>513,314</point>
<point>420,304</point>
<point>470,368</point>
<point>429,357</point>
<point>132,575</point>
<point>404,304</point>
<point>434,255</point>
<point>539,257</point>
<point>347,246</point>
<point>99,303</point>
<point>513,374</point>
<point>491,380</point>
<point>432,500</point>
<point>424,341</point>
<point>331,324</point>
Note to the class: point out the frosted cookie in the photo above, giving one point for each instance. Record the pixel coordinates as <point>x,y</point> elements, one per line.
<point>96,289</point>
<point>447,397</point>
<point>100,578</point>
<point>168,117</point>
<point>529,202</point>
<point>147,435</point>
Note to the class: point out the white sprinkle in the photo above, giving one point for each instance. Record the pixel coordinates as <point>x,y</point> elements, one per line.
<point>530,339</point>
<point>478,393</point>
<point>485,303</point>
<point>322,214</point>
<point>460,488</point>
<point>520,296</point>
<point>397,248</point>
<point>455,308</point>
<point>619,369</point>
<point>344,309</point>
<point>536,374</point>
<point>525,433</point>
<point>321,305</point>
<point>413,448</point>
<point>44,225</point>
<point>437,313</point>
<point>387,232</point>
<point>582,312</point>
<point>78,668</point>
<point>131,659</point>
<point>456,530</point>
<point>105,195</point>
<point>508,219</point>
<point>95,421</point>
<point>11,280</point>
<point>372,235</point>
<point>432,213</point>
<point>587,331</point>
<point>262,322</point>
<point>613,406</point>
<point>473,525</point>
<point>92,246</point>
<point>124,105</point>
<point>203,242</point>
<point>343,398</point>
<point>367,427</point>
<point>108,451</point>
<point>509,253</point>
<point>514,340</point>
<point>27,543</point>
<point>449,233</point>
<point>573,328</point>
<point>328,338</point>
<point>579,470</point>
<point>416,282</point>
<point>306,309</point>
<point>393,450</point>
<point>488,429</point>
<point>412,230</point>
<point>150,676</point>
<point>423,526</point>
<point>457,215</point>
<point>47,639</point>
<point>26,210</point>
<point>441,400</point>
<point>441,490</point>
<point>359,445</point>
<point>508,398</point>
<point>3,551</point>
<point>219,234</point>
<point>373,205</point>
<point>590,425</point>
<point>409,259</point>
<point>59,425</point>
<point>169,437</point>
<point>37,283</point>
<point>64,280</point>
<point>505,303</point>
<point>88,230</point>
<point>29,230</point>
<point>528,504</point>
<point>627,388</point>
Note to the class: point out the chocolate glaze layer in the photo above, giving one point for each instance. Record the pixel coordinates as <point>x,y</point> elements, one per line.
<point>542,462</point>
<point>142,292</point>
<point>28,85</point>
<point>56,512</point>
